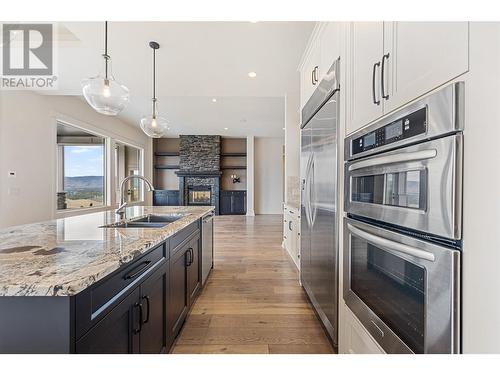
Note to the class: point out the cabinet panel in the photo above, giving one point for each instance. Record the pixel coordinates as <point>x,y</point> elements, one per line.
<point>329,46</point>
<point>308,77</point>
<point>179,303</point>
<point>233,202</point>
<point>154,294</point>
<point>166,198</point>
<point>366,50</point>
<point>423,56</point>
<point>225,202</point>
<point>358,340</point>
<point>117,332</point>
<point>238,203</point>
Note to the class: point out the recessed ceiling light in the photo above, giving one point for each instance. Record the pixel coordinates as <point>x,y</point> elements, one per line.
<point>225,128</point>
<point>252,74</point>
<point>214,100</point>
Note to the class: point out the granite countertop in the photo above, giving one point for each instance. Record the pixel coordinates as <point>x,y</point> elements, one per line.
<point>63,257</point>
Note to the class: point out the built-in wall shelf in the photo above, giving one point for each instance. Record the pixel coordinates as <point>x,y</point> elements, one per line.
<point>234,167</point>
<point>166,159</point>
<point>167,154</point>
<point>159,166</point>
<point>234,154</point>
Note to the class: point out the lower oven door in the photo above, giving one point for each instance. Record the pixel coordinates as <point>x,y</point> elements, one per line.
<point>417,187</point>
<point>403,290</point>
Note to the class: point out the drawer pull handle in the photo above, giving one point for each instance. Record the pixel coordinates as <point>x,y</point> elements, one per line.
<point>138,271</point>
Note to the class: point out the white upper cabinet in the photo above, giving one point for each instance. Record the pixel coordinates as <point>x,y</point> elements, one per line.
<point>392,63</point>
<point>323,49</point>
<point>309,77</point>
<point>329,42</point>
<point>422,56</point>
<point>365,56</point>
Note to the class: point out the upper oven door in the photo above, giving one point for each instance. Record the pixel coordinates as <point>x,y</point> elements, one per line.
<point>405,291</point>
<point>417,187</point>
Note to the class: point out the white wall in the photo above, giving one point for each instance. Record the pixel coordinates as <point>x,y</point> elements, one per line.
<point>28,147</point>
<point>268,175</point>
<point>481,210</point>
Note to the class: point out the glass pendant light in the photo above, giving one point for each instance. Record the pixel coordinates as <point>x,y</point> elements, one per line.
<point>154,126</point>
<point>103,92</point>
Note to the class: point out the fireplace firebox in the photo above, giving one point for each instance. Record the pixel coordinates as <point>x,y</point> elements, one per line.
<point>199,195</point>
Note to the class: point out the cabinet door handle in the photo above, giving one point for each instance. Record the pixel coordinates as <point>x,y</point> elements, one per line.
<point>382,78</point>
<point>190,252</point>
<point>316,70</point>
<point>315,77</point>
<point>149,309</point>
<point>137,330</point>
<point>138,271</point>
<point>290,225</point>
<point>375,66</point>
<point>312,77</point>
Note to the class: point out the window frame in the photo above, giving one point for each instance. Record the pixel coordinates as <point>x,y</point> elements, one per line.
<point>60,169</point>
<point>116,187</point>
<point>111,200</point>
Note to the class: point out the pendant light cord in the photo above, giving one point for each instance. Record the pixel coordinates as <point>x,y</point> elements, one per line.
<point>106,56</point>
<point>154,82</point>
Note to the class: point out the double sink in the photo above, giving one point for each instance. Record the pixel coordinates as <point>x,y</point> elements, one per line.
<point>149,221</point>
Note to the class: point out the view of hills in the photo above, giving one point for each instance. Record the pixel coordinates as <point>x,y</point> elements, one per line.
<point>84,183</point>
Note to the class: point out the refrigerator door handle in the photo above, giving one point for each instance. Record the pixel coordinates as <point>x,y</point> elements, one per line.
<point>312,199</point>
<point>307,192</point>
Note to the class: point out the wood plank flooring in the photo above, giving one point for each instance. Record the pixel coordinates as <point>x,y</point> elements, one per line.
<point>252,302</point>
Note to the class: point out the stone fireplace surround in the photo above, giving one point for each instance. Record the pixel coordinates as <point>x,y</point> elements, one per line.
<point>199,165</point>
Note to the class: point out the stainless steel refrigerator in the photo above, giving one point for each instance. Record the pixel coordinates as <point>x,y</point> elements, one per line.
<point>319,214</point>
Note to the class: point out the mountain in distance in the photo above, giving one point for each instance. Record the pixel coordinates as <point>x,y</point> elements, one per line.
<point>84,183</point>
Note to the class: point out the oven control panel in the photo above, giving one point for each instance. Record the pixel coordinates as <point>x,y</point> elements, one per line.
<point>403,128</point>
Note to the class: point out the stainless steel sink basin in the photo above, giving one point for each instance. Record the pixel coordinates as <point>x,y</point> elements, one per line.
<point>153,218</point>
<point>149,221</point>
<point>132,224</point>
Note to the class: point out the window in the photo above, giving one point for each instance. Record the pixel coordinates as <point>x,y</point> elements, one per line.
<point>128,162</point>
<point>81,168</point>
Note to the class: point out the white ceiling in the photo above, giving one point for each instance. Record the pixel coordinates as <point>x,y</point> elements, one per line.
<point>197,61</point>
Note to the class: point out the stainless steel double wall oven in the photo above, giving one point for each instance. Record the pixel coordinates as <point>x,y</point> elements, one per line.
<point>403,230</point>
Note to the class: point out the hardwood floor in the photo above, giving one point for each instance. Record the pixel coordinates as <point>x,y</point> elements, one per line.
<point>252,302</point>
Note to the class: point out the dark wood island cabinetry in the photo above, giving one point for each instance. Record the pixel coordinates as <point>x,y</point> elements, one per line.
<point>138,308</point>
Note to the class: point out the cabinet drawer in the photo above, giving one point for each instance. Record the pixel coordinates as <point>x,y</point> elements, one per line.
<point>180,237</point>
<point>94,302</point>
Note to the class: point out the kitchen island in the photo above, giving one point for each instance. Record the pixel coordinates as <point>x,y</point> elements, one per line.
<point>86,284</point>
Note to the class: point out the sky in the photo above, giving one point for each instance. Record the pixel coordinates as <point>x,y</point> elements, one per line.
<point>83,161</point>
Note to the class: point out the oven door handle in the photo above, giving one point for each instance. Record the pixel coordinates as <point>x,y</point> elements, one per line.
<point>395,246</point>
<point>394,158</point>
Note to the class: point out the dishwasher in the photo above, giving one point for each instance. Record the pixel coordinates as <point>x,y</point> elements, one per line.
<point>207,246</point>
